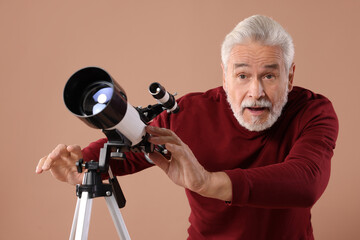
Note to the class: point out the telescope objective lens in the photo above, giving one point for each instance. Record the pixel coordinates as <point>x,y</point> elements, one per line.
<point>96,98</point>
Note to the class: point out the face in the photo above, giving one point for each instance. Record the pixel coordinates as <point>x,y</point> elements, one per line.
<point>257,84</point>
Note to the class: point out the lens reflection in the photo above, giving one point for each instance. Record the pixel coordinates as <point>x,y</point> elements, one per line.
<point>96,98</point>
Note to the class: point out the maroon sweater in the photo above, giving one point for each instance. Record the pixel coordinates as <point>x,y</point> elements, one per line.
<point>277,174</point>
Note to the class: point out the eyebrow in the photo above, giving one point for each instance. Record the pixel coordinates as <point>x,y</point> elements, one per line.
<point>271,66</point>
<point>239,65</point>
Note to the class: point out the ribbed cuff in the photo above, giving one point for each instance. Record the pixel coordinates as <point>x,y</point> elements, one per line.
<point>240,187</point>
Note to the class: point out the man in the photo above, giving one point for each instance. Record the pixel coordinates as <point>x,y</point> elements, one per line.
<point>253,155</point>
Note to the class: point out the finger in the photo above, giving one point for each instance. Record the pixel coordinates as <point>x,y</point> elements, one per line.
<point>173,148</point>
<point>47,163</point>
<point>59,151</point>
<point>54,156</point>
<point>158,131</point>
<point>159,160</point>
<point>164,139</point>
<point>40,164</point>
<point>75,151</point>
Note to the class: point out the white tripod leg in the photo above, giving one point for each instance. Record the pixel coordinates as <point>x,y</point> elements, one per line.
<point>81,221</point>
<point>117,218</point>
<point>76,215</point>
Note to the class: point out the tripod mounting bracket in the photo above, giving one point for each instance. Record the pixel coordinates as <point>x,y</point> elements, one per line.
<point>92,182</point>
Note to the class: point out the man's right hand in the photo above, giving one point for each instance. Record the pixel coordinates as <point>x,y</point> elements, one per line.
<point>62,164</point>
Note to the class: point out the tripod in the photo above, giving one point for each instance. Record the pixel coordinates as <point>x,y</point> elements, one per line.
<point>92,187</point>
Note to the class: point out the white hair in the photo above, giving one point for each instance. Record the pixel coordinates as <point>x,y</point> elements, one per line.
<point>260,29</point>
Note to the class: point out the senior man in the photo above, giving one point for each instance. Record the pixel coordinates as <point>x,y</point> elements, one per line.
<point>253,155</point>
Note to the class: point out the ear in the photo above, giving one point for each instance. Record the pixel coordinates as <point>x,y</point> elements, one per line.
<point>223,70</point>
<point>291,77</point>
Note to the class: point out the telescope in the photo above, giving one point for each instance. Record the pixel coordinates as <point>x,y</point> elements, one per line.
<point>93,96</point>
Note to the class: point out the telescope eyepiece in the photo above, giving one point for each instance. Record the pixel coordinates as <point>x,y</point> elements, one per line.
<point>163,97</point>
<point>156,90</point>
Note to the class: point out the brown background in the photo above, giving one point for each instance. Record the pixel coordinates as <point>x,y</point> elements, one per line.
<point>178,44</point>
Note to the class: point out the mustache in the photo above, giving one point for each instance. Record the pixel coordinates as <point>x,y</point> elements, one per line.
<point>262,103</point>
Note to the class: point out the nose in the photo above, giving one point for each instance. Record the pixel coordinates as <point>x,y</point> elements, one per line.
<point>256,89</point>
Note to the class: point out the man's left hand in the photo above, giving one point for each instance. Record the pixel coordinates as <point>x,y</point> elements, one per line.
<point>184,169</point>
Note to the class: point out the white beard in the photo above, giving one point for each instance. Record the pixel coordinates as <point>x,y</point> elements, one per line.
<point>255,123</point>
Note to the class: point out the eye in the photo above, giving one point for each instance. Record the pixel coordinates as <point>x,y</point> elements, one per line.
<point>269,76</point>
<point>242,76</point>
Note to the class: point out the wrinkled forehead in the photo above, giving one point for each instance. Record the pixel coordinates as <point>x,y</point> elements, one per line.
<point>256,55</point>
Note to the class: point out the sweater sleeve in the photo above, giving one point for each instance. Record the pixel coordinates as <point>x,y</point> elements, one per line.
<point>302,177</point>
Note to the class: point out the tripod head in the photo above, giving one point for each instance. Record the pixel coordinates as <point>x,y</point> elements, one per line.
<point>93,184</point>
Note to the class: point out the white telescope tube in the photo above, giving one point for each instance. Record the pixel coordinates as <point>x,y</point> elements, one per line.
<point>131,126</point>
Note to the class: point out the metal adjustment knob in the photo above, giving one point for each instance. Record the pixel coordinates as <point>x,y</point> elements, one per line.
<point>79,165</point>
<point>117,155</point>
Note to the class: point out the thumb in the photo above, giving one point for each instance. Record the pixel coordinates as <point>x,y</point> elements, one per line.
<point>159,160</point>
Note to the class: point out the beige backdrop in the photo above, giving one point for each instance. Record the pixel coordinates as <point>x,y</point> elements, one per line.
<point>178,44</point>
